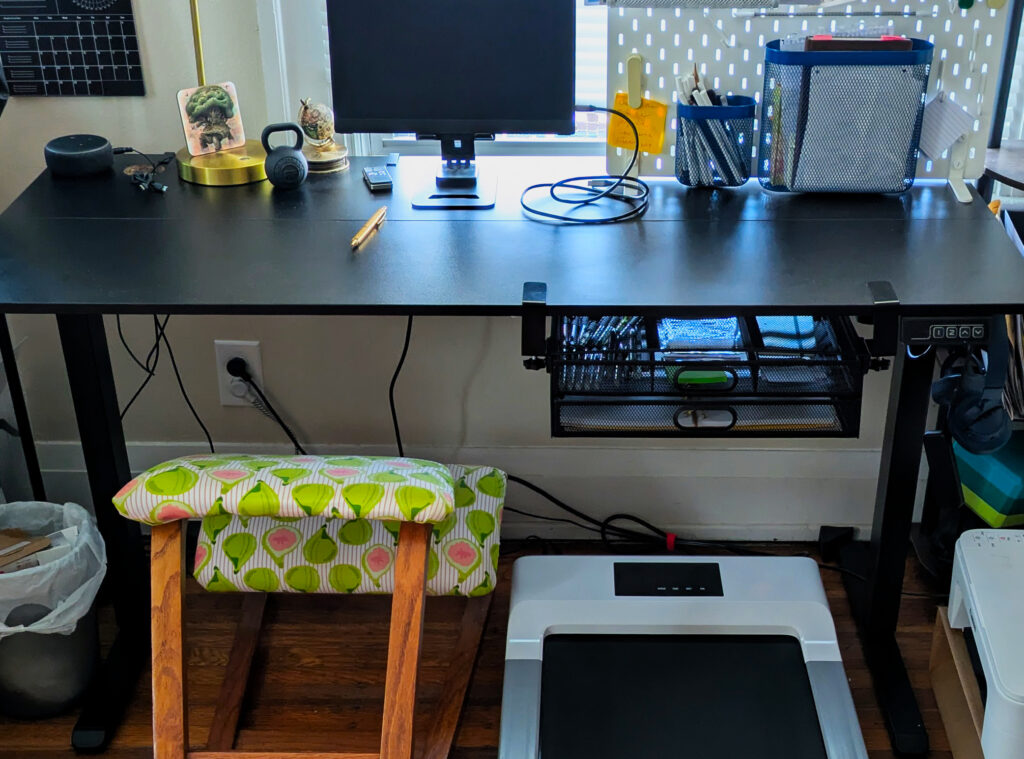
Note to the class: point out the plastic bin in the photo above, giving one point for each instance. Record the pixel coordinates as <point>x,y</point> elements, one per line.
<point>49,642</point>
<point>713,143</point>
<point>993,485</point>
<point>845,121</point>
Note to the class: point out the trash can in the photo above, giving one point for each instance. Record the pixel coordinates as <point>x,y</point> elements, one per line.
<point>49,640</point>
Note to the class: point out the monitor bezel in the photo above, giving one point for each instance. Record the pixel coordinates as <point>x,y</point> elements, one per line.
<point>564,125</point>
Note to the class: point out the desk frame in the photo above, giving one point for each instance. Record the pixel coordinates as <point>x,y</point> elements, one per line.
<point>692,256</point>
<point>876,603</point>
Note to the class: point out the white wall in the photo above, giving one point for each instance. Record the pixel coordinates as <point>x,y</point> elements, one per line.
<point>464,394</point>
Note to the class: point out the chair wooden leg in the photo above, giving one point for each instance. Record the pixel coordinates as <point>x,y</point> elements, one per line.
<point>404,640</point>
<point>460,670</point>
<point>167,575</point>
<point>224,727</point>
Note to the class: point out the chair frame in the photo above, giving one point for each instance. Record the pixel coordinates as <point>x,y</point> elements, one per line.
<point>170,693</point>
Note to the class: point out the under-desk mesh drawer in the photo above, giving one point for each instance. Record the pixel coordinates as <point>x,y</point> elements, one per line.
<point>761,377</point>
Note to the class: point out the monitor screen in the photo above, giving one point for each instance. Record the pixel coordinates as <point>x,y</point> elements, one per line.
<point>453,66</point>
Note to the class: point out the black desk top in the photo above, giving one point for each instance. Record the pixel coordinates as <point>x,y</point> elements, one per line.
<point>100,245</point>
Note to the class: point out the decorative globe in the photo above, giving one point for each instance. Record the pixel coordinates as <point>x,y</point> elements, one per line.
<point>317,122</point>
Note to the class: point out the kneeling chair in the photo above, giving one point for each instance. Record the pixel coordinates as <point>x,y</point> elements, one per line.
<point>316,524</point>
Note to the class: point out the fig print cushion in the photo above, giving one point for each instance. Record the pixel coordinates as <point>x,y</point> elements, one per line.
<point>289,487</point>
<point>339,555</point>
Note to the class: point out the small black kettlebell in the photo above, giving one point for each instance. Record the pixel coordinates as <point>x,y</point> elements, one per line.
<point>286,166</point>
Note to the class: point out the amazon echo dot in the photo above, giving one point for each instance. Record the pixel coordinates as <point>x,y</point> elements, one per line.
<point>77,155</point>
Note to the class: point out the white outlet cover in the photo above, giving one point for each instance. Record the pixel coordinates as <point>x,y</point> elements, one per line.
<point>227,350</point>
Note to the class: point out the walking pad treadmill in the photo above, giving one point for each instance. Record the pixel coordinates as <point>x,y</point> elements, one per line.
<point>612,657</point>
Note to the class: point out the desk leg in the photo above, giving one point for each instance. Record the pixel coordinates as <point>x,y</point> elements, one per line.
<point>876,603</point>
<point>106,459</point>
<point>28,445</point>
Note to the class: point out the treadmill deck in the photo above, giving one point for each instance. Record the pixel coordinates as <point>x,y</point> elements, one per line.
<point>663,696</point>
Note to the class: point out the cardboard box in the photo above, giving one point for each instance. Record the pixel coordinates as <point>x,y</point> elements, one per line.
<point>956,689</point>
<point>15,545</point>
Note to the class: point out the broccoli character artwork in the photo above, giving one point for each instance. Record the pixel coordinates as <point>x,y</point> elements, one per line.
<point>209,108</point>
<point>211,119</point>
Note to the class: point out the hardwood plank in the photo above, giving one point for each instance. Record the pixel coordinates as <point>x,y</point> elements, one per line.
<point>404,641</point>
<point>277,755</point>
<point>170,720</point>
<point>445,719</point>
<point>236,674</point>
<point>316,681</point>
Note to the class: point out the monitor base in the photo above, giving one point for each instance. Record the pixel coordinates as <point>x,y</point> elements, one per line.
<point>479,196</point>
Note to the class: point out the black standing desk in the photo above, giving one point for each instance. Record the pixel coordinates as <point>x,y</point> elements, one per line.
<point>83,248</point>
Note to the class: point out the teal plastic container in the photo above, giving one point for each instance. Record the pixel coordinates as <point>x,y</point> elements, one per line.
<point>993,486</point>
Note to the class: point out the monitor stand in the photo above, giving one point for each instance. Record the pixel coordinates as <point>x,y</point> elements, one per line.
<point>458,184</point>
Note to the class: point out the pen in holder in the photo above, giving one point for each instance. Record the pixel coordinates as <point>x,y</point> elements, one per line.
<point>713,143</point>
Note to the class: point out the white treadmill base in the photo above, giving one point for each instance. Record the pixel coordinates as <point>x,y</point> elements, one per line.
<point>760,596</point>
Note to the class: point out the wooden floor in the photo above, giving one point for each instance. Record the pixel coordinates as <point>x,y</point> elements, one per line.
<point>320,669</point>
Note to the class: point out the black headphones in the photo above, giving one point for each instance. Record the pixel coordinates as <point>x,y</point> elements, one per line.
<point>976,417</point>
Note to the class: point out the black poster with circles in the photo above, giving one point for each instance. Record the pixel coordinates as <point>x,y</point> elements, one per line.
<point>70,47</point>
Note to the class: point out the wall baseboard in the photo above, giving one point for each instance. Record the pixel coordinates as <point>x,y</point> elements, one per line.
<point>703,493</point>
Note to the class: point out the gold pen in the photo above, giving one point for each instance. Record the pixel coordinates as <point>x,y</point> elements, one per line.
<point>370,227</point>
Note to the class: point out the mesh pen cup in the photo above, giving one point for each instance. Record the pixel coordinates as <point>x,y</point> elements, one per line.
<point>842,121</point>
<point>713,143</point>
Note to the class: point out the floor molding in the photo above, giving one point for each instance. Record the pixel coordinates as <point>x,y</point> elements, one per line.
<point>707,492</point>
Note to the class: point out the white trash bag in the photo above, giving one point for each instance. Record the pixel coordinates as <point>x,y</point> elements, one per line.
<point>68,585</point>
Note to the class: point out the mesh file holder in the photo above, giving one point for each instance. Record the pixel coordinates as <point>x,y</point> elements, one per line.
<point>713,143</point>
<point>846,121</point>
<point>632,384</point>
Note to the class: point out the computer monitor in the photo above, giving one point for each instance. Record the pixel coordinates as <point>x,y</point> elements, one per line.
<point>455,71</point>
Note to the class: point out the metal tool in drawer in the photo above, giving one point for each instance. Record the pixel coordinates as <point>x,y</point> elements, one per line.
<point>602,352</point>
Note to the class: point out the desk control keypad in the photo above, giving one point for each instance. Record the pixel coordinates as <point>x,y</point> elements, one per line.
<point>945,332</point>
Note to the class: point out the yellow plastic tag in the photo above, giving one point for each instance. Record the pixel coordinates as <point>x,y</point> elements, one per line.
<point>650,124</point>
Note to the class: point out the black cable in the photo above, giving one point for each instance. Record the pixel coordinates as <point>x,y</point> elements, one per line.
<point>152,358</point>
<point>237,367</point>
<point>269,407</point>
<point>638,204</point>
<point>657,536</point>
<point>124,342</point>
<point>394,381</point>
<point>181,387</point>
<point>147,180</point>
<point>549,519</point>
<point>167,157</point>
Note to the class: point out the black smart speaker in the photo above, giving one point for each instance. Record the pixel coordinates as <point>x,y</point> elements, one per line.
<point>78,155</point>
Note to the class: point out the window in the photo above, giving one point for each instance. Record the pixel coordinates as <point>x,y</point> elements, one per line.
<point>1013,127</point>
<point>304,71</point>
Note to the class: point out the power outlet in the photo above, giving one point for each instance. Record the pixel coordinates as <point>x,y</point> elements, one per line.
<point>234,392</point>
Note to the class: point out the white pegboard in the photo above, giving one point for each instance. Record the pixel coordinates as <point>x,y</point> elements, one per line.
<point>728,46</point>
